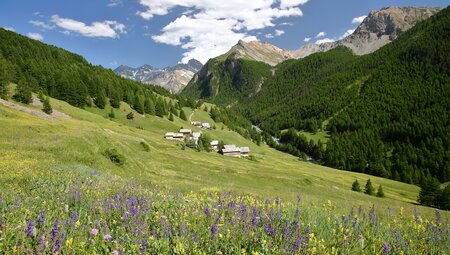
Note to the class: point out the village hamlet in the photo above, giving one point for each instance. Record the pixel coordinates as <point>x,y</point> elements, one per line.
<point>192,138</point>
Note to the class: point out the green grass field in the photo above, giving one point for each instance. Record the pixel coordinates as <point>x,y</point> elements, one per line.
<point>31,146</point>
<point>58,168</point>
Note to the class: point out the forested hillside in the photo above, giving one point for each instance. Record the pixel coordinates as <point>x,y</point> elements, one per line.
<point>35,66</point>
<point>386,112</point>
<point>225,81</point>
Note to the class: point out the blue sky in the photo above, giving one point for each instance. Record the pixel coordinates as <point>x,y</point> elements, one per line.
<point>164,32</point>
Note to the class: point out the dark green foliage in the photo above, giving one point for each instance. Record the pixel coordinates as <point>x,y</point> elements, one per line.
<point>145,146</point>
<point>204,142</point>
<point>444,200</point>
<point>149,106</point>
<point>23,93</point>
<point>380,192</point>
<point>183,115</point>
<point>430,192</point>
<point>369,189</point>
<point>130,116</point>
<point>171,117</point>
<point>46,107</point>
<point>160,108</point>
<point>356,187</point>
<point>139,103</point>
<point>115,157</point>
<point>112,115</point>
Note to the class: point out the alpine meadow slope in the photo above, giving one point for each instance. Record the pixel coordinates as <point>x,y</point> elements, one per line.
<point>386,112</point>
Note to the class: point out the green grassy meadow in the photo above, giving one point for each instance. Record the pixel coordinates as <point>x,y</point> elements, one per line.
<point>55,171</point>
<point>42,144</point>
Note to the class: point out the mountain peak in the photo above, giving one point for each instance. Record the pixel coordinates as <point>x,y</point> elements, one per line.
<point>259,51</point>
<point>379,28</point>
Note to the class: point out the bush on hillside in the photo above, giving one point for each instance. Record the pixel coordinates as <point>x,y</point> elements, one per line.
<point>145,146</point>
<point>356,187</point>
<point>115,157</point>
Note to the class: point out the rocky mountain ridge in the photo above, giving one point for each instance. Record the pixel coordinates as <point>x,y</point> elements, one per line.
<point>379,28</point>
<point>172,78</point>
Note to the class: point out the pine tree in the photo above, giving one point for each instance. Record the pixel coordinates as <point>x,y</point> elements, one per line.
<point>444,200</point>
<point>430,192</point>
<point>139,104</point>
<point>356,187</point>
<point>171,117</point>
<point>149,106</point>
<point>380,192</point>
<point>369,190</point>
<point>159,108</point>
<point>183,115</point>
<point>47,108</point>
<point>23,93</point>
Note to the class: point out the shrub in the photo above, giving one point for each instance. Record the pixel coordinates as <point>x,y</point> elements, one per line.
<point>112,115</point>
<point>47,108</point>
<point>115,157</point>
<point>183,115</point>
<point>171,117</point>
<point>356,187</point>
<point>380,192</point>
<point>130,116</point>
<point>145,146</point>
<point>369,190</point>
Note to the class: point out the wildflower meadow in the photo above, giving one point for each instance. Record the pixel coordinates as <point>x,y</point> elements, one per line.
<point>90,215</point>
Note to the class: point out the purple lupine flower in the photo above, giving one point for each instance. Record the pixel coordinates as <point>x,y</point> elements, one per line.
<point>206,211</point>
<point>195,237</point>
<point>115,252</point>
<point>59,243</point>
<point>416,217</point>
<point>41,219</point>
<point>390,211</point>
<point>297,212</point>
<point>213,230</point>
<point>218,219</point>
<point>107,237</point>
<point>267,201</point>
<point>277,201</point>
<point>54,232</point>
<point>93,231</point>
<point>386,248</point>
<point>299,198</point>
<point>154,234</point>
<point>29,228</point>
<point>67,223</point>
<point>144,244</point>
<point>438,216</point>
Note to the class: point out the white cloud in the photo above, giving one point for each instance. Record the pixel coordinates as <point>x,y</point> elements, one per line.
<point>211,27</point>
<point>269,36</point>
<point>113,3</point>
<point>307,39</point>
<point>324,40</point>
<point>321,34</point>
<point>35,36</point>
<point>279,32</point>
<point>286,24</point>
<point>107,28</point>
<point>10,29</point>
<point>41,24</point>
<point>358,20</point>
<point>347,33</point>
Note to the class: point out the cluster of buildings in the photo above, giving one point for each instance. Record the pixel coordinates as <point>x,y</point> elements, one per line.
<point>232,150</point>
<point>200,124</point>
<point>186,134</point>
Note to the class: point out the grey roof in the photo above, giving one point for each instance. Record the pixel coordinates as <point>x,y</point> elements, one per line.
<point>245,149</point>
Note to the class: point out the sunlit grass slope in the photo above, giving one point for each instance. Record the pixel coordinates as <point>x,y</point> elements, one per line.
<point>31,147</point>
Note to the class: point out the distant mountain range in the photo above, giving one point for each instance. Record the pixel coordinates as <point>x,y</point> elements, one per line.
<point>172,78</point>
